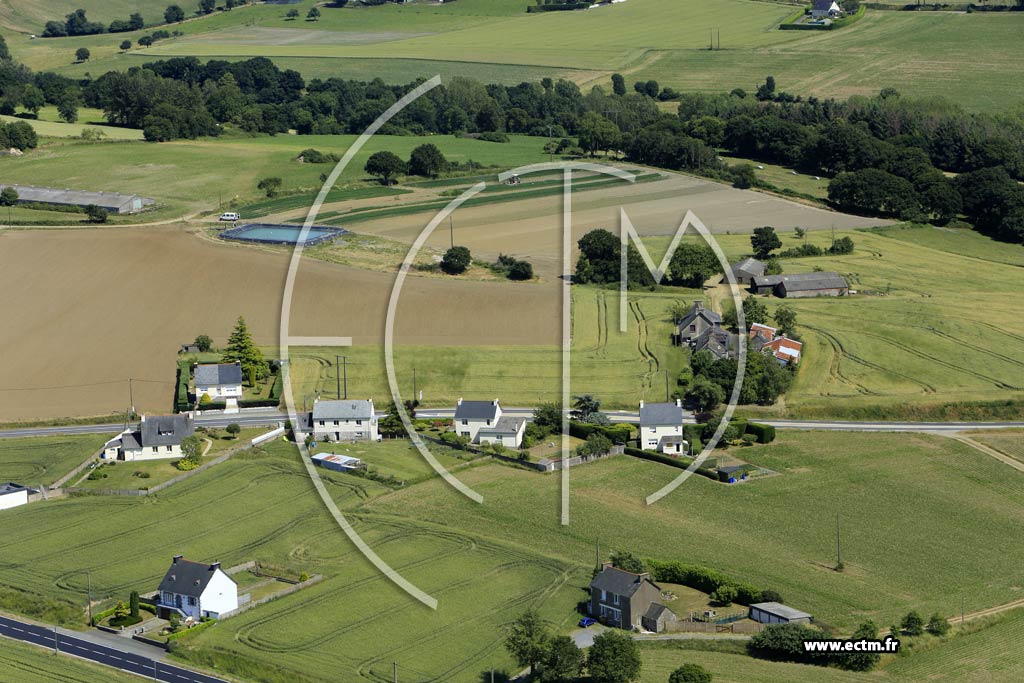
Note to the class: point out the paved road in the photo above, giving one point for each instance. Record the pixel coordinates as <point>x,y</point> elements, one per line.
<point>271,417</point>
<point>827,425</point>
<point>101,654</point>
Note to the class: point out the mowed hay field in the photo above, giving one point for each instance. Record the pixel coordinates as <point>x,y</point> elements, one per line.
<point>45,459</point>
<point>1009,441</point>
<point>620,368</point>
<point>350,626</point>
<point>123,304</point>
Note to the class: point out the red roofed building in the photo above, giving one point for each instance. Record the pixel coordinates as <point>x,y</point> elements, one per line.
<point>784,349</point>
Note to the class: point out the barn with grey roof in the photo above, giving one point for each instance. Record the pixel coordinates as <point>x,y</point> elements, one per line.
<point>114,202</point>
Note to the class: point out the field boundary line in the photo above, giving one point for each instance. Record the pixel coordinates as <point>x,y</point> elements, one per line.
<point>988,450</point>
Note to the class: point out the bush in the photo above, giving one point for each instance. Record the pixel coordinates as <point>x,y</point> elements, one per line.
<point>492,136</point>
<point>724,595</point>
<point>619,433</point>
<point>315,156</point>
<point>456,260</point>
<point>764,433</point>
<point>913,624</point>
<point>786,642</point>
<point>938,625</point>
<point>690,673</point>
<point>96,214</point>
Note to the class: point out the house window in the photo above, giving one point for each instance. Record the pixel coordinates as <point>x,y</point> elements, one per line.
<point>170,448</point>
<point>359,422</point>
<point>465,422</point>
<point>322,423</point>
<point>192,601</point>
<point>654,430</point>
<point>336,423</point>
<point>615,599</point>
<point>604,596</point>
<point>693,328</point>
<point>465,434</point>
<point>154,449</point>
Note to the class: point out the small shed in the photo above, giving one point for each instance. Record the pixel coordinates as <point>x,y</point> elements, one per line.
<point>777,613</point>
<point>338,463</point>
<point>658,618</point>
<point>13,495</point>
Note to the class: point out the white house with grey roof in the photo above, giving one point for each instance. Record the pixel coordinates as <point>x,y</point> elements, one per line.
<point>158,436</point>
<point>661,428</point>
<point>196,590</point>
<point>482,422</point>
<point>219,381</point>
<point>344,420</point>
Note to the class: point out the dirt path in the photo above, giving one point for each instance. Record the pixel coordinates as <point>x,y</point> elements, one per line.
<point>980,614</point>
<point>987,450</point>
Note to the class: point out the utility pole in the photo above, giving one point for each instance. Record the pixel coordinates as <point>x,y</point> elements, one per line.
<point>711,39</point>
<point>415,395</point>
<point>719,31</point>
<point>396,672</point>
<point>451,230</point>
<point>88,578</point>
<point>344,371</point>
<point>666,385</point>
<point>131,395</point>
<point>337,375</point>
<point>839,554</point>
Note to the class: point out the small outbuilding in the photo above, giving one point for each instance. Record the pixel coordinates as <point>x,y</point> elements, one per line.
<point>777,613</point>
<point>658,619</point>
<point>13,495</point>
<point>338,462</point>
<point>746,270</point>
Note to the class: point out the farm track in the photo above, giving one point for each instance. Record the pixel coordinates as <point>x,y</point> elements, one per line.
<point>991,611</point>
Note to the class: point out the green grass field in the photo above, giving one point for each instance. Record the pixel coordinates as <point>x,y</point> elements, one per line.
<point>969,57</point>
<point>45,459</point>
<point>191,175</point>
<point>987,654</point>
<point>23,663</point>
<point>935,504</point>
<point>59,129</point>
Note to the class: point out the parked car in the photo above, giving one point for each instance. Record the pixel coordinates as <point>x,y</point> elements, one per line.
<point>587,622</point>
<point>229,216</point>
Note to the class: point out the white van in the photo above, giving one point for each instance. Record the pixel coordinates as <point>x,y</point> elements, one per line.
<point>229,216</point>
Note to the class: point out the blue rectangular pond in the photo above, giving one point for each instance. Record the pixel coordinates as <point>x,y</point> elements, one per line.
<point>270,233</point>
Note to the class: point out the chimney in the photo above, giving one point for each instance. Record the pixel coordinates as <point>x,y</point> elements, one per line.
<point>495,401</point>
<point>641,403</point>
<point>698,305</point>
<point>143,418</point>
<point>215,566</point>
<point>679,402</point>
<point>176,558</point>
<point>459,402</point>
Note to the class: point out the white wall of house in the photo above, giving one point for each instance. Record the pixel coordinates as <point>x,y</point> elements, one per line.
<point>346,430</point>
<point>220,596</point>
<point>217,392</point>
<point>471,428</point>
<point>153,452</point>
<point>506,440</point>
<point>13,500</point>
<point>650,435</point>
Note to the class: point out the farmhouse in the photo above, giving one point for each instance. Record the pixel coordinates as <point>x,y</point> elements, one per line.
<point>196,590</point>
<point>767,340</point>
<point>482,422</point>
<point>696,321</point>
<point>661,427</point>
<point>799,285</point>
<point>13,495</point>
<point>114,202</point>
<point>777,613</point>
<point>345,420</point>
<point>829,9</point>
<point>338,463</point>
<point>156,437</point>
<point>627,600</point>
<point>746,270</point>
<point>219,381</point>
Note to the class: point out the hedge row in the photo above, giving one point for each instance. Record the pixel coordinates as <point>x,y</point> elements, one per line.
<point>560,7</point>
<point>764,433</point>
<point>181,402</point>
<point>707,580</point>
<point>669,460</point>
<point>693,433</point>
<point>619,433</point>
<point>195,629</point>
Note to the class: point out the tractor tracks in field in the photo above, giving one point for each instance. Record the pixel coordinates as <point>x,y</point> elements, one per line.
<point>642,344</point>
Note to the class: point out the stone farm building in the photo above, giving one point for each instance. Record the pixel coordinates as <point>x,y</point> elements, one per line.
<point>746,270</point>
<point>800,285</point>
<point>113,202</point>
<point>627,600</point>
<point>701,328</point>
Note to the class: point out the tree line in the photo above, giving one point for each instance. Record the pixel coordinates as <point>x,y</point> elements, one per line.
<point>78,24</point>
<point>887,155</point>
